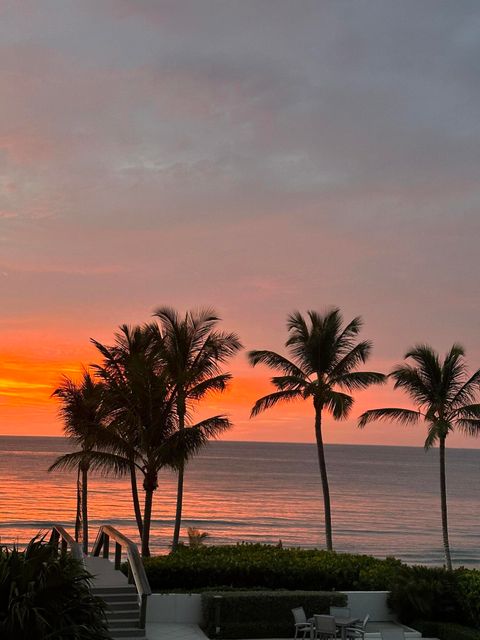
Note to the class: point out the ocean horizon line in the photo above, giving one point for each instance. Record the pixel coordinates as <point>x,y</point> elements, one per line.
<point>279,442</point>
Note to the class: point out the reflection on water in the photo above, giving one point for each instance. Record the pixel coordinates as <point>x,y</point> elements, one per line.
<point>385,499</point>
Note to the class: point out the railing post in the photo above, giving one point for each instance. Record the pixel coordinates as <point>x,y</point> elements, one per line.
<point>129,573</point>
<point>106,545</point>
<point>118,555</point>
<point>218,618</point>
<point>143,611</point>
<point>64,546</point>
<point>54,538</point>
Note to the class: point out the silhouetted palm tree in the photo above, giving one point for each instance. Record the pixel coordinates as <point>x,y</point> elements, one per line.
<point>323,360</point>
<point>444,395</point>
<point>193,351</point>
<point>82,411</point>
<point>143,422</point>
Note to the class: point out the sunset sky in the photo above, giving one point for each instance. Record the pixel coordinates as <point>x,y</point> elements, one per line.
<point>258,156</point>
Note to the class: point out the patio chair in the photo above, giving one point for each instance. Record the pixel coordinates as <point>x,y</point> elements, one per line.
<point>325,627</point>
<point>302,625</point>
<point>340,612</point>
<point>358,630</point>
<point>393,634</point>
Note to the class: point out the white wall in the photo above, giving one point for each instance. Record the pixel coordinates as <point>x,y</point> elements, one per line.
<point>183,608</point>
<point>371,602</point>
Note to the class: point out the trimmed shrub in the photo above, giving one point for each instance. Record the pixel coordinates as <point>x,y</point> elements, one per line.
<point>425,593</point>
<point>262,614</point>
<point>468,582</point>
<point>247,566</point>
<point>446,630</point>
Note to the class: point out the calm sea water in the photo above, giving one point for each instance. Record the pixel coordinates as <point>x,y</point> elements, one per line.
<point>385,499</point>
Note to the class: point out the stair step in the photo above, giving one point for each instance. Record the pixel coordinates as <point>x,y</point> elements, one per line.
<point>132,617</point>
<point>127,633</point>
<point>122,606</point>
<point>119,597</point>
<point>115,623</point>
<point>99,591</point>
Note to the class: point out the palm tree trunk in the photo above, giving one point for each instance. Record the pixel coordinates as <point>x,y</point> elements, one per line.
<point>323,474</point>
<point>136,501</point>
<point>149,484</point>
<point>178,512</point>
<point>443,500</point>
<point>181,410</point>
<point>78,516</point>
<point>85,507</point>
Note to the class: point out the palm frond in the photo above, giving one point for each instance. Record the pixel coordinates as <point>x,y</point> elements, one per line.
<point>428,364</point>
<point>408,378</point>
<point>469,426</point>
<point>339,404</point>
<point>343,364</point>
<point>360,380</point>
<point>269,401</point>
<point>217,384</point>
<point>185,443</point>
<point>289,382</point>
<point>467,391</point>
<point>432,437</point>
<point>103,462</point>
<point>404,416</point>
<point>468,411</point>
<point>275,361</point>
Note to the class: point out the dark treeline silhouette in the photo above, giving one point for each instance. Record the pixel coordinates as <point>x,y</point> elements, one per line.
<point>132,412</point>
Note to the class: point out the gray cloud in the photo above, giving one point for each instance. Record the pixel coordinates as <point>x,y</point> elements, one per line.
<point>259,156</point>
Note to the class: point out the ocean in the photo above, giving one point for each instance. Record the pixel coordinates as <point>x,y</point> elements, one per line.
<point>385,500</point>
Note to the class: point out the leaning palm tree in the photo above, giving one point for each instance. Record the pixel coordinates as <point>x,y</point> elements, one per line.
<point>444,394</point>
<point>82,412</point>
<point>193,350</point>
<point>143,424</point>
<point>322,367</point>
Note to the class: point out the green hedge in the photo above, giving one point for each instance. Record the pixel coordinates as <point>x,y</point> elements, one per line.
<point>247,566</point>
<point>262,614</point>
<point>423,593</point>
<point>446,630</point>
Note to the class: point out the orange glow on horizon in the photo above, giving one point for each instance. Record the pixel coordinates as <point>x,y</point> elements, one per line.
<point>27,381</point>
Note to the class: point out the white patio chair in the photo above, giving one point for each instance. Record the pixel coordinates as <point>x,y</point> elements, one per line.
<point>393,634</point>
<point>358,630</point>
<point>325,627</point>
<point>302,625</point>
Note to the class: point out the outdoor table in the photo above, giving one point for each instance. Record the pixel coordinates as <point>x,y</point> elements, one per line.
<point>343,623</point>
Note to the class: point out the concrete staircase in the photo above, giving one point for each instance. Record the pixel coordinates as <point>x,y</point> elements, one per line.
<point>121,599</point>
<point>122,611</point>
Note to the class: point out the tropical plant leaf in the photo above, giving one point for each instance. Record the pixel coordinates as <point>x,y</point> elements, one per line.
<point>269,401</point>
<point>404,416</point>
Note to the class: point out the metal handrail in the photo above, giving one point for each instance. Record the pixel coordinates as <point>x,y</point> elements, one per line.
<point>136,570</point>
<point>60,535</point>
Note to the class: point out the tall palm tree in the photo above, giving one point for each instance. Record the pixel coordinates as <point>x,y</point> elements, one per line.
<point>83,413</point>
<point>143,423</point>
<point>193,351</point>
<point>444,394</point>
<point>322,367</point>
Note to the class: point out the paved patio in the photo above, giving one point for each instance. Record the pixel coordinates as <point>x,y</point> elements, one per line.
<point>170,631</point>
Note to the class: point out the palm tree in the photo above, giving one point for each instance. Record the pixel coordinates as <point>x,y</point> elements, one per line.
<point>82,412</point>
<point>143,424</point>
<point>193,351</point>
<point>323,361</point>
<point>444,395</point>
